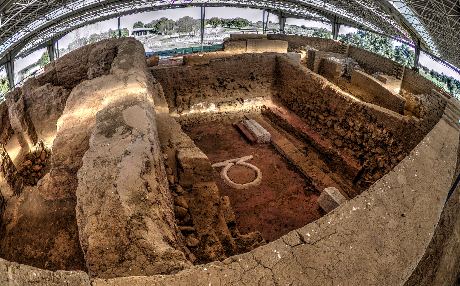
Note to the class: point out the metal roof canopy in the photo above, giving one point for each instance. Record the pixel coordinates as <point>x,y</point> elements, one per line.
<point>26,25</point>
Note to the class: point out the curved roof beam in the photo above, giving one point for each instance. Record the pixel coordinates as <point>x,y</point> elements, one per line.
<point>78,13</point>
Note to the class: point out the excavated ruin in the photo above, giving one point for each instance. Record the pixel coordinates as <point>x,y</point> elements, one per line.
<point>117,169</point>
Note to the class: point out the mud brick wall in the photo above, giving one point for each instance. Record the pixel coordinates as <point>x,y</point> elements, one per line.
<point>415,83</point>
<point>298,42</point>
<point>238,47</point>
<point>5,127</point>
<point>379,139</point>
<point>315,58</point>
<point>222,80</point>
<point>371,90</point>
<point>373,63</point>
<point>330,69</point>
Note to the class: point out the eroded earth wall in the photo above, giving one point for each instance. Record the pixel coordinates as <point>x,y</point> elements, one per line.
<point>374,63</point>
<point>300,42</point>
<point>229,79</point>
<point>42,217</point>
<point>124,207</point>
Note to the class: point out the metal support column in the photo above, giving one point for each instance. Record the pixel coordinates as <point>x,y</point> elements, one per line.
<point>203,16</point>
<point>417,55</point>
<point>263,21</point>
<point>335,28</point>
<point>51,50</point>
<point>282,22</point>
<point>119,27</point>
<point>57,50</point>
<point>10,71</point>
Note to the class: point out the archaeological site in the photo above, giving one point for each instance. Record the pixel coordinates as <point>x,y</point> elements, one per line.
<point>276,160</point>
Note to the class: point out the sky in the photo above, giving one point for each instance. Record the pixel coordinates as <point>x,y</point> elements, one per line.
<point>253,15</point>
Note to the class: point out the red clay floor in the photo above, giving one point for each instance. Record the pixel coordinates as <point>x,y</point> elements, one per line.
<point>284,201</point>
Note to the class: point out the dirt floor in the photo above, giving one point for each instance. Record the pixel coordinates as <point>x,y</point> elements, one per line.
<point>37,232</point>
<point>281,203</point>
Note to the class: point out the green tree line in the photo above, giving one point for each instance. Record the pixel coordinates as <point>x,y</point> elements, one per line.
<point>187,24</point>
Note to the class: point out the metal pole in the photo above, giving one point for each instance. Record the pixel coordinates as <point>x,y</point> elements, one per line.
<point>203,16</point>
<point>119,27</point>
<point>266,21</point>
<point>51,50</point>
<point>335,28</point>
<point>417,55</point>
<point>282,22</point>
<point>10,71</point>
<point>263,21</point>
<point>57,49</point>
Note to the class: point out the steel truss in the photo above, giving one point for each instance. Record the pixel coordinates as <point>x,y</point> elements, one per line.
<point>26,25</point>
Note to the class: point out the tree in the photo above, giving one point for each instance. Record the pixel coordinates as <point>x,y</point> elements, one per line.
<point>215,22</point>
<point>187,25</point>
<point>239,23</point>
<point>4,85</point>
<point>404,56</point>
<point>322,33</point>
<point>44,59</point>
<point>138,25</point>
<point>164,26</point>
<point>114,33</point>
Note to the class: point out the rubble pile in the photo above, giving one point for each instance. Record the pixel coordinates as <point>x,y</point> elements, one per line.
<point>35,165</point>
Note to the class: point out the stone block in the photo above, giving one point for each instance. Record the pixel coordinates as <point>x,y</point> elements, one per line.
<point>330,199</point>
<point>193,166</point>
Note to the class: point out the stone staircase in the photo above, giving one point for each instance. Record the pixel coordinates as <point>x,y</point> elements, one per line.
<point>452,113</point>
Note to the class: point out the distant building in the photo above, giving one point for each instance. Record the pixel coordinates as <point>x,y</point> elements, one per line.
<point>142,32</point>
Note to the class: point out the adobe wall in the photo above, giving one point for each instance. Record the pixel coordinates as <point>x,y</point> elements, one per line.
<point>230,79</point>
<point>373,63</point>
<point>34,110</point>
<point>369,89</point>
<point>315,59</point>
<point>233,47</point>
<point>377,137</point>
<point>297,43</point>
<point>415,83</point>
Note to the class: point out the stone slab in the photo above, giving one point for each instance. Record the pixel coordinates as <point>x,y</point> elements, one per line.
<point>330,199</point>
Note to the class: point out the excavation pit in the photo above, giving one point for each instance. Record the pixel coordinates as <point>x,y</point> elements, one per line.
<point>130,189</point>
<point>283,201</point>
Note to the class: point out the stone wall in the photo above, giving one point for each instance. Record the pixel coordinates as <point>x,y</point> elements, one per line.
<point>373,63</point>
<point>297,43</point>
<point>370,90</point>
<point>378,138</point>
<point>230,79</point>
